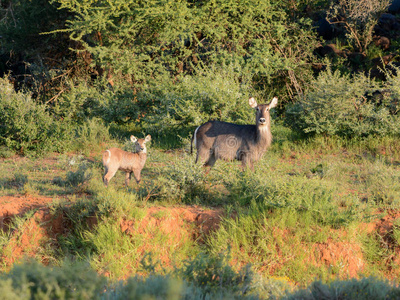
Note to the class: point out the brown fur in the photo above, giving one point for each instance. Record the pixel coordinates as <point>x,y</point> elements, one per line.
<point>115,159</point>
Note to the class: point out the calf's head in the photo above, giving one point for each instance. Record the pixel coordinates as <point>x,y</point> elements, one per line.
<point>140,144</point>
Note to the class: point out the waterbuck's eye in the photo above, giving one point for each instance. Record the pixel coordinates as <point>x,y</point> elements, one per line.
<point>257,109</point>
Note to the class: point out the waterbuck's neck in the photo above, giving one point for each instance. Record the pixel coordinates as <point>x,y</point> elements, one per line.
<point>263,136</point>
<point>142,155</point>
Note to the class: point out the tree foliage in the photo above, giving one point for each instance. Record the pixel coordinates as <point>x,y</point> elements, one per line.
<point>144,38</point>
<point>358,18</point>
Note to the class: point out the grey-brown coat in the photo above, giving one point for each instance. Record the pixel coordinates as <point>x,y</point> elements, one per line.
<point>247,143</point>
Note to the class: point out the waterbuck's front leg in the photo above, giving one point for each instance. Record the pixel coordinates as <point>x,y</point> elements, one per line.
<point>127,178</point>
<point>136,173</point>
<point>247,163</point>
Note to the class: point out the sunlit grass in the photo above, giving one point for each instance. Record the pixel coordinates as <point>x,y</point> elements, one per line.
<point>303,193</point>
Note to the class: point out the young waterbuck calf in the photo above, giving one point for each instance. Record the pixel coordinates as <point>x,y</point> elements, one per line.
<point>247,143</point>
<point>115,159</point>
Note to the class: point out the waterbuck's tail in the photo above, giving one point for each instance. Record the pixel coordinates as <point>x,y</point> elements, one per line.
<point>191,145</point>
<point>193,139</point>
<point>106,157</point>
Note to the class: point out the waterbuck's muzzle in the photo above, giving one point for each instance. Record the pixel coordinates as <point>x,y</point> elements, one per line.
<point>262,121</point>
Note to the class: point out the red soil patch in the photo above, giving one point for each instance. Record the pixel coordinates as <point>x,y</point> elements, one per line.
<point>27,241</point>
<point>11,206</point>
<point>179,225</point>
<point>170,220</point>
<point>346,257</point>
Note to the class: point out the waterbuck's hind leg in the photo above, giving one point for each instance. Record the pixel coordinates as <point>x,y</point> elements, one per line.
<point>108,175</point>
<point>104,176</point>
<point>211,161</point>
<point>204,154</point>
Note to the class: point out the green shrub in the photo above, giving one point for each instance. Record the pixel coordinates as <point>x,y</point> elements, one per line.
<point>32,280</point>
<point>391,95</point>
<point>339,104</point>
<point>79,175</point>
<point>19,180</point>
<point>26,126</point>
<point>308,199</point>
<point>366,288</point>
<point>213,273</point>
<point>181,181</point>
<point>6,152</point>
<point>91,135</point>
<point>152,287</point>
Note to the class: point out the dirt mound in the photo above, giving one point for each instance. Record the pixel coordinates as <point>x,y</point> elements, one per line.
<point>26,241</point>
<point>169,220</point>
<point>11,206</point>
<point>178,224</point>
<point>346,257</point>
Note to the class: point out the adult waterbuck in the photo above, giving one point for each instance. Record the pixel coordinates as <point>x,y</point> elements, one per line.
<point>247,143</point>
<point>115,159</point>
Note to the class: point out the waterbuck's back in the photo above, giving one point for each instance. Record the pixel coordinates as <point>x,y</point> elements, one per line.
<point>225,140</point>
<point>120,159</point>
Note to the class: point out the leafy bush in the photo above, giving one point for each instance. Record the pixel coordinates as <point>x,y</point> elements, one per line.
<point>182,181</point>
<point>203,277</point>
<point>366,288</point>
<point>342,105</point>
<point>32,280</point>
<point>213,273</point>
<point>162,107</point>
<point>20,180</point>
<point>152,287</point>
<point>26,126</point>
<point>78,177</point>
<point>307,199</point>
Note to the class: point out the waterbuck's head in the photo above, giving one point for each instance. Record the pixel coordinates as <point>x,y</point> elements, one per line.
<point>262,111</point>
<point>140,144</point>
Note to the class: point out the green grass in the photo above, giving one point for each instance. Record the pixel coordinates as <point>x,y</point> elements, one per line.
<point>302,195</point>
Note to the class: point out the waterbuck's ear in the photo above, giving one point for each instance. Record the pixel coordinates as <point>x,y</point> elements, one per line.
<point>273,103</point>
<point>133,139</point>
<point>147,138</point>
<point>252,102</point>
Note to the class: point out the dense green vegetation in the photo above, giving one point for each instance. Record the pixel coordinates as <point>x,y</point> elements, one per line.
<point>78,77</point>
